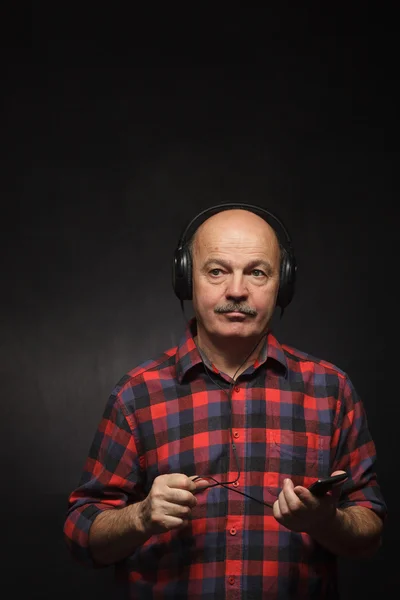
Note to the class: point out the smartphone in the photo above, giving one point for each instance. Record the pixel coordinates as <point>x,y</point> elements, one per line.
<point>321,486</point>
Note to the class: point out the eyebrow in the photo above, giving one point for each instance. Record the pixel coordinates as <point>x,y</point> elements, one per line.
<point>251,265</point>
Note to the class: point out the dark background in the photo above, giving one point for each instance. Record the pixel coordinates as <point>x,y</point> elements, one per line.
<point>117,126</point>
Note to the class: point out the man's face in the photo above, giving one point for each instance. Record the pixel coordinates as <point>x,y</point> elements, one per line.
<point>236,259</point>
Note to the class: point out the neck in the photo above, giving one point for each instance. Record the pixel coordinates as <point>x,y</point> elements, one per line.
<point>229,357</point>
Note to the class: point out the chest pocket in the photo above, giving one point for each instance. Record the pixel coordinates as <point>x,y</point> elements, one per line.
<point>291,454</point>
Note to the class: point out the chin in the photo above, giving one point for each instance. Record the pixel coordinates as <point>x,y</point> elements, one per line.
<point>236,329</point>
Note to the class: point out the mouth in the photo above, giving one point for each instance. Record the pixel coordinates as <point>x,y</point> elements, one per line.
<point>236,315</point>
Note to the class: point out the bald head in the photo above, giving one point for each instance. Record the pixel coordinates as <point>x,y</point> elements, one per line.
<point>234,229</point>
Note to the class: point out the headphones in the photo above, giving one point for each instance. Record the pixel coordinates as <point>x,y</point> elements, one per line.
<point>182,262</point>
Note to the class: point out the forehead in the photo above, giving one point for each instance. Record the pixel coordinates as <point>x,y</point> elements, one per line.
<point>232,230</point>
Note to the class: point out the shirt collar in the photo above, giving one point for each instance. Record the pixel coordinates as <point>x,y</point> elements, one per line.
<point>188,355</point>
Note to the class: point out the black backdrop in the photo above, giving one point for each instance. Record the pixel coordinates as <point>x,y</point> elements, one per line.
<point>117,127</point>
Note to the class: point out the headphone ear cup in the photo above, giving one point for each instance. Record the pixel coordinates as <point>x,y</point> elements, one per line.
<point>287,281</point>
<point>182,274</point>
<point>188,274</point>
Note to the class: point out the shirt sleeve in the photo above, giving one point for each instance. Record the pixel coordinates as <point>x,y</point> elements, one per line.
<point>354,451</point>
<point>112,478</point>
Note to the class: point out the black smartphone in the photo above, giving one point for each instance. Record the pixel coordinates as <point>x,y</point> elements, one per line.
<point>321,486</point>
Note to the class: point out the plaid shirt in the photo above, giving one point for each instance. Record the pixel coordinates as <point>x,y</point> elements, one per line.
<point>293,416</point>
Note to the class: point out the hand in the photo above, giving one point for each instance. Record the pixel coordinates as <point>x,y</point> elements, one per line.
<point>298,510</point>
<point>169,503</point>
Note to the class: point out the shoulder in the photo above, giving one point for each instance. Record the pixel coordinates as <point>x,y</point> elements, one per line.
<point>151,367</point>
<point>298,359</point>
<point>136,379</point>
<point>321,378</point>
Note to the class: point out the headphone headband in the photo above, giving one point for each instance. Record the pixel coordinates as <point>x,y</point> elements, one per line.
<point>201,217</point>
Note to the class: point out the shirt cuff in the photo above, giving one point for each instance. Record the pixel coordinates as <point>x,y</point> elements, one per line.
<point>76,532</point>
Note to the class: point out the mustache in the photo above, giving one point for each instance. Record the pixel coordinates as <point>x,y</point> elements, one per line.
<point>234,307</point>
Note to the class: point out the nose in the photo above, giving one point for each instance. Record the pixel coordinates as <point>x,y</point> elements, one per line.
<point>236,289</point>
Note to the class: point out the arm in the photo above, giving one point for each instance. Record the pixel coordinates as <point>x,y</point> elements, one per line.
<point>110,515</point>
<point>115,534</point>
<point>347,521</point>
<point>111,482</point>
<point>354,532</point>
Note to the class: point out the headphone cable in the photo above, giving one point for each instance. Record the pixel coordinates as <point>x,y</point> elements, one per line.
<point>227,484</point>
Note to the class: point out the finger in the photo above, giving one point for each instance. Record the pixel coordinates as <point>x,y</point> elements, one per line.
<point>288,484</point>
<point>180,481</point>
<point>283,506</point>
<point>165,522</point>
<point>176,510</point>
<point>292,500</point>
<point>337,488</point>
<point>305,496</point>
<point>339,483</point>
<point>175,523</point>
<point>180,497</point>
<point>277,511</point>
<point>200,483</point>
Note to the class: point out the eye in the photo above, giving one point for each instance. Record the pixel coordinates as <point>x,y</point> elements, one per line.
<point>215,272</point>
<point>258,272</point>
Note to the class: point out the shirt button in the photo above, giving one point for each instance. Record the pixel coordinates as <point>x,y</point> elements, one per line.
<point>235,434</point>
<point>237,389</point>
<point>235,483</point>
<point>231,580</point>
<point>232,531</point>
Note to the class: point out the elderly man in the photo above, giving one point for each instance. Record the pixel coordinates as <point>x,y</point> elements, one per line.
<point>196,485</point>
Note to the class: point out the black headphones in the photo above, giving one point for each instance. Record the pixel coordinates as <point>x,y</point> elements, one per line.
<point>182,263</point>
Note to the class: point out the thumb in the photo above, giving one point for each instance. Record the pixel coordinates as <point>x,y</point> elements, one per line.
<point>305,496</point>
<point>199,483</point>
<point>337,488</point>
<point>338,473</point>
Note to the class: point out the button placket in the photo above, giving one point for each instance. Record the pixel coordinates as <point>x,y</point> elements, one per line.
<point>234,530</point>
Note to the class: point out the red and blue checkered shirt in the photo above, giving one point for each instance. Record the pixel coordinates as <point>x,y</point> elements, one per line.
<point>293,416</point>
